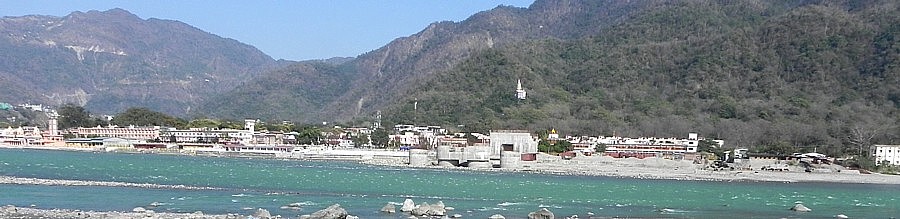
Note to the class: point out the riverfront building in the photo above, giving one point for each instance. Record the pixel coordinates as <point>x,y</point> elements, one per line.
<point>889,154</point>
<point>131,132</point>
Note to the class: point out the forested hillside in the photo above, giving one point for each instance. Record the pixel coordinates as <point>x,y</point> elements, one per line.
<point>810,75</point>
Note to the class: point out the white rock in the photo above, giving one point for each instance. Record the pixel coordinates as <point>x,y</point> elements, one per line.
<point>800,208</point>
<point>408,205</point>
<point>139,210</point>
<point>389,208</point>
<point>262,213</point>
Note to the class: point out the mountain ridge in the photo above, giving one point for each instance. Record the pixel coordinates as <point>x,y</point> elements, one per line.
<point>111,60</point>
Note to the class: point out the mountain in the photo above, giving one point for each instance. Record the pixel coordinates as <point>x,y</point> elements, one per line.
<point>806,75</point>
<point>112,60</point>
<point>377,78</point>
<point>768,73</point>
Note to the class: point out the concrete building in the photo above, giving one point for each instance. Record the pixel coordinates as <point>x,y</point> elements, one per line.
<point>512,140</point>
<point>505,150</point>
<point>887,154</point>
<point>131,132</point>
<point>21,136</point>
<point>206,135</point>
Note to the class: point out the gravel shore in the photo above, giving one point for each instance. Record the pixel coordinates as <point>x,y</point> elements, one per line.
<point>13,212</point>
<point>657,168</point>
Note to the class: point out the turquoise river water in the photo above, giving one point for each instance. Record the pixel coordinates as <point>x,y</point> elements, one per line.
<point>244,184</point>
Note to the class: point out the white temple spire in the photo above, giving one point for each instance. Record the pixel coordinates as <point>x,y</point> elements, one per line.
<point>520,92</point>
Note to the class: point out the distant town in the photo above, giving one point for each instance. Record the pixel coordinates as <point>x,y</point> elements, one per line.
<point>420,144</point>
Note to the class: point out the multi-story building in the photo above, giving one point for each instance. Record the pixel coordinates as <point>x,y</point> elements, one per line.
<point>651,147</point>
<point>131,132</point>
<point>21,136</point>
<point>205,135</point>
<point>887,154</point>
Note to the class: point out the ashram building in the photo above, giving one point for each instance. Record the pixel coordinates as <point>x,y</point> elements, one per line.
<point>887,153</point>
<point>131,132</point>
<point>21,136</point>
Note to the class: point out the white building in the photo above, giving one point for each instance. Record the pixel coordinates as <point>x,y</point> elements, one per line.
<point>512,140</point>
<point>889,153</point>
<point>520,92</point>
<point>206,135</point>
<point>131,132</point>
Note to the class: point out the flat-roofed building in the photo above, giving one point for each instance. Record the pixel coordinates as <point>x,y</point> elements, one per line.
<point>889,154</point>
<point>131,132</point>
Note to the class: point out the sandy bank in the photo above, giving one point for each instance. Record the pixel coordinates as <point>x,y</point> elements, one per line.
<point>656,168</point>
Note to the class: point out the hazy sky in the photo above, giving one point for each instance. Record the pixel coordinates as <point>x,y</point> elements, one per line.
<point>293,30</point>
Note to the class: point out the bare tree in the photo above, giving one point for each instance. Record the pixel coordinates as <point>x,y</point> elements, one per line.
<point>861,136</point>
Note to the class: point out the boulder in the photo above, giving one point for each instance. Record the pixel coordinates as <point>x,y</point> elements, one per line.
<point>389,208</point>
<point>541,214</point>
<point>262,214</point>
<point>800,208</point>
<point>351,217</point>
<point>436,209</point>
<point>408,205</point>
<point>139,210</point>
<point>332,212</point>
<point>9,208</point>
<point>497,216</point>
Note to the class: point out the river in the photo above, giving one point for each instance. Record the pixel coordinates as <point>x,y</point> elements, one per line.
<point>244,184</point>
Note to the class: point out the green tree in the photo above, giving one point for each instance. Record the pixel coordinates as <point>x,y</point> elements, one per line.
<point>308,134</point>
<point>72,116</point>
<point>548,146</point>
<point>360,140</point>
<point>380,137</point>
<point>145,117</point>
<point>203,123</point>
<point>707,145</point>
<point>600,148</point>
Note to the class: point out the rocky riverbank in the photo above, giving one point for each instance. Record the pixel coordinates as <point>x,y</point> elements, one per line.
<point>60,182</point>
<point>656,168</point>
<point>13,212</point>
<point>648,168</point>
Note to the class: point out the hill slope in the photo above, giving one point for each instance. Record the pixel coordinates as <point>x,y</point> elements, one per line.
<point>814,75</point>
<point>377,78</point>
<point>113,60</point>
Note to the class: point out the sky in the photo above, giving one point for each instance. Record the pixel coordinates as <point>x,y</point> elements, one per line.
<point>293,30</point>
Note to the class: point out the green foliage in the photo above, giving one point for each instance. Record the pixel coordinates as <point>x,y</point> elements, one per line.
<point>552,147</point>
<point>203,123</point>
<point>380,138</point>
<point>772,76</point>
<point>310,135</point>
<point>360,140</point>
<point>73,116</point>
<point>146,117</point>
